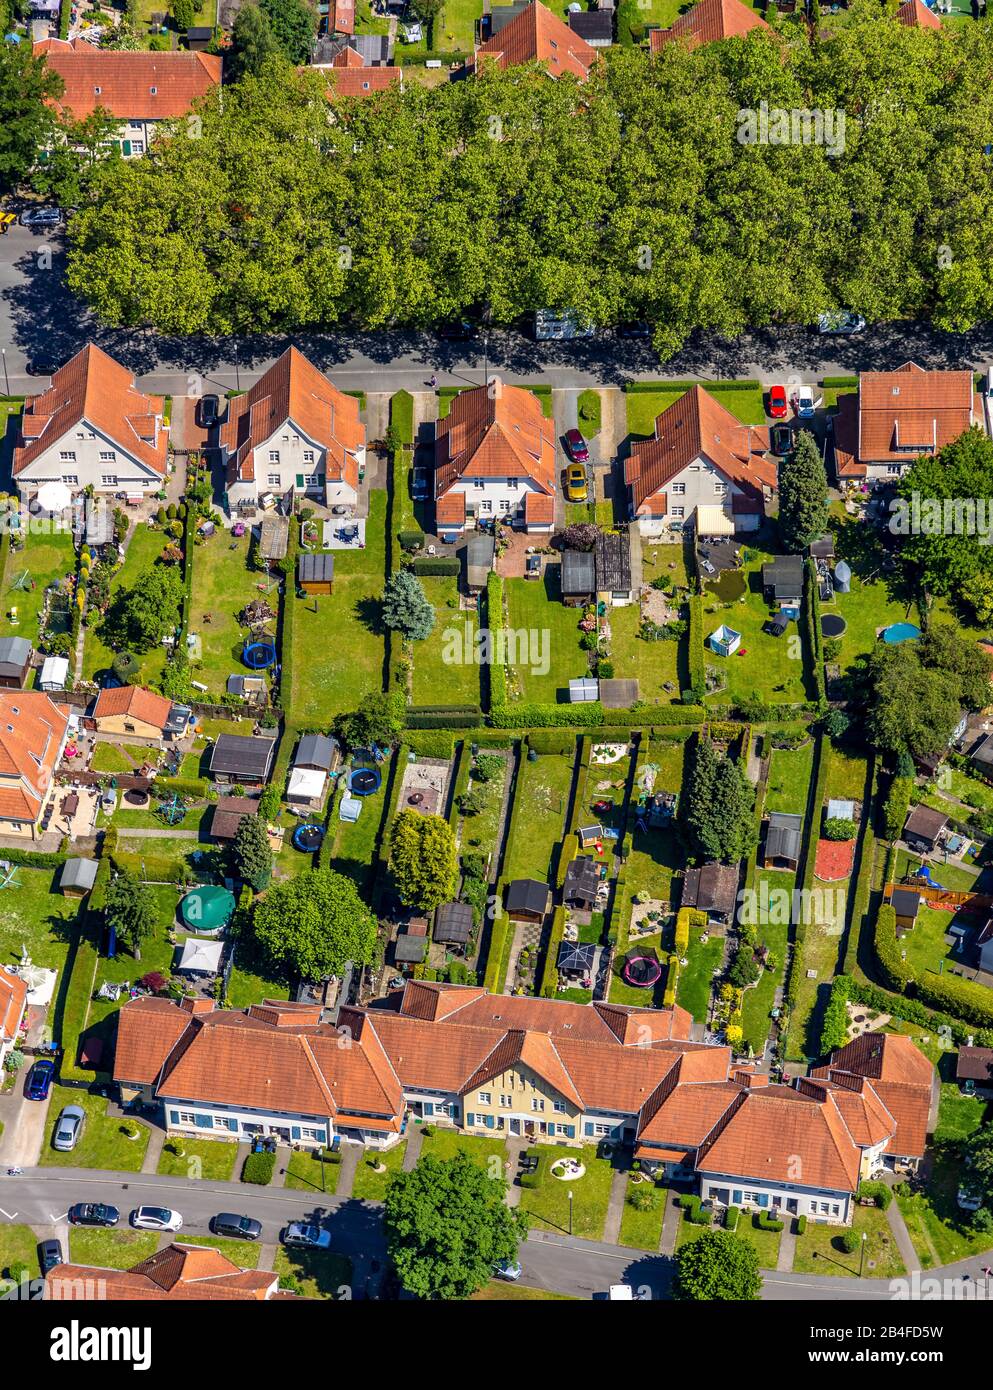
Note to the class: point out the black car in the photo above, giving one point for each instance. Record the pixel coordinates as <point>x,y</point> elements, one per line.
<point>634,330</point>
<point>93,1214</point>
<point>209,408</point>
<point>227,1223</point>
<point>49,1255</point>
<point>458,331</point>
<point>42,366</point>
<point>781,440</point>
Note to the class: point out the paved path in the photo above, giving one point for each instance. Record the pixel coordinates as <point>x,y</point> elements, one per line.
<point>412,1152</point>
<point>351,1155</point>
<point>156,1143</point>
<point>267,1255</point>
<point>901,1235</point>
<point>23,1126</point>
<point>615,1207</point>
<point>787,1249</point>
<point>670,1225</point>
<point>282,1163</point>
<point>151,833</point>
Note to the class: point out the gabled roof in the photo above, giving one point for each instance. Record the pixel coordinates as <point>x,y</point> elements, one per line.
<point>527,895</point>
<point>899,1074</point>
<point>538,36</point>
<point>917,16</point>
<point>92,387</point>
<point>911,409</point>
<point>32,731</point>
<point>925,823</point>
<point>495,431</point>
<point>783,836</point>
<point>707,22</point>
<point>347,78</point>
<point>13,995</point>
<point>697,426</point>
<point>534,1050</point>
<point>133,86</point>
<point>711,887</point>
<point>177,1273</point>
<point>316,750</point>
<point>134,701</point>
<point>294,390</point>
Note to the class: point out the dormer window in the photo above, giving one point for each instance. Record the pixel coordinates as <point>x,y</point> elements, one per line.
<point>97,91</point>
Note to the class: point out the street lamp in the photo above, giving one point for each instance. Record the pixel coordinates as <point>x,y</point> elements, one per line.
<point>6,379</point>
<point>865,1237</point>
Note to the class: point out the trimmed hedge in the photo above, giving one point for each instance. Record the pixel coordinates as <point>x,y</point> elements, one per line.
<point>639,387</point>
<point>697,668</point>
<point>436,565</point>
<point>812,615</point>
<point>432,743</point>
<point>897,807</point>
<point>765,1222</point>
<point>258,1169</point>
<point>417,719</point>
<point>731,1216</point>
<point>967,1001</point>
<point>34,859</point>
<point>531,715</point>
<point>493,617</point>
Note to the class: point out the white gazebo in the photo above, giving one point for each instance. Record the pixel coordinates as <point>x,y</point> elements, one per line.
<point>201,957</point>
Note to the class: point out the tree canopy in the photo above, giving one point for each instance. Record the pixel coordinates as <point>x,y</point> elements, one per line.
<point>130,910</point>
<point>803,490</point>
<point>312,924</point>
<point>141,616</point>
<point>718,1266</point>
<point>26,123</point>
<point>424,859</point>
<point>251,854</point>
<point>447,1225</point>
<point>718,806</point>
<point>378,719</point>
<point>406,608</point>
<point>915,692</point>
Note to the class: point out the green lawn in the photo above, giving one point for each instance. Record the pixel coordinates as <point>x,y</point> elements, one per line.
<point>875,600</point>
<point>696,978</point>
<point>766,1243</point>
<point>439,682</point>
<point>548,1203</point>
<point>846,774</point>
<point>484,826</point>
<point>203,1158</point>
<point>623,993</point>
<point>500,1291</point>
<point>368,23</point>
<point>789,777</point>
<point>314,1273</point>
<point>222,586</point>
<point>490,1154</point>
<point>338,647</point>
<point>46,559</point>
<point>156,954</point>
<point>18,1245</point>
<point>35,916</point>
<point>643,1229</point>
<point>304,1174</point>
<point>971,790</point>
<point>589,410</point>
<point>542,799</point>
<point>111,1249</point>
<point>370,1186</point>
<point>769,668</point>
<point>536,607</point>
<point>820,953</point>
<point>959,1116</point>
<point>113,757</point>
<point>455,27</point>
<point>354,845</point>
<point>143,549</point>
<point>244,1253</point>
<point>760,999</point>
<point>818,1250</point>
<point>103,1145</point>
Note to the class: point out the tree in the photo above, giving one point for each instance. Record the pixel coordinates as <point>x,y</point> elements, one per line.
<point>719,806</point>
<point>803,489</point>
<point>448,1225</point>
<point>141,616</point>
<point>424,859</point>
<point>313,924</point>
<point>936,516</point>
<point>183,12</point>
<point>177,677</point>
<point>294,25</point>
<point>378,719</point>
<point>582,535</point>
<point>977,592</point>
<point>253,43</point>
<point>406,608</point>
<point>269,804</point>
<point>836,723</point>
<point>910,708</point>
<point>130,910</point>
<point>718,1266</point>
<point>943,648</point>
<point>26,122</point>
<point>68,175</point>
<point>251,853</point>
<point>427,10</point>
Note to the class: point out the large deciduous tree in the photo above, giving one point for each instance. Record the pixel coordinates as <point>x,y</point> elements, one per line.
<point>26,122</point>
<point>294,25</point>
<point>424,859</point>
<point>718,1267</point>
<point>312,924</point>
<point>378,719</point>
<point>911,708</point>
<point>141,616</point>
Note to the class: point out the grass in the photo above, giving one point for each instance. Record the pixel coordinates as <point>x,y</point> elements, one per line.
<point>959,1116</point>
<point>222,586</point>
<point>548,1204</point>
<point>971,790</point>
<point>654,664</point>
<point>789,777</point>
<point>354,845</point>
<point>875,600</point>
<point>113,1249</point>
<point>771,668</point>
<point>203,1158</point>
<point>643,407</point>
<point>436,681</point>
<point>589,406</point>
<point>846,775</point>
<point>760,999</point>
<point>542,800</point>
<point>455,27</point>
<point>35,916</point>
<point>18,1246</point>
<point>818,1250</point>
<point>314,1273</point>
<point>143,549</point>
<point>370,1186</point>
<point>623,993</point>
<point>643,1229</point>
<point>484,826</point>
<point>338,648</point>
<point>303,1173</point>
<point>490,1154</point>
<point>102,1145</point>
<point>696,978</point>
<point>537,607</point>
<point>766,1243</point>
<point>47,559</point>
<point>820,953</point>
<point>938,1228</point>
<point>244,1253</point>
<point>112,757</point>
<point>500,1291</point>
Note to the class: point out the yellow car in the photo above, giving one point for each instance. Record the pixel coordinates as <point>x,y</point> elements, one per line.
<point>576,486</point>
<point>6,220</point>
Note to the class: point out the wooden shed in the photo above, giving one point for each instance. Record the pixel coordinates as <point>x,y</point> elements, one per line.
<point>315,574</point>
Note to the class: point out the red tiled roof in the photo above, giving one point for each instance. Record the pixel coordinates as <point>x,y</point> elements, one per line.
<point>135,701</point>
<point>341,17</point>
<point>537,35</point>
<point>902,1078</point>
<point>95,388</point>
<point>707,22</point>
<point>495,431</point>
<point>132,86</point>
<point>917,16</point>
<point>360,81</point>
<point>911,408</point>
<point>773,1133</point>
<point>697,426</point>
<point>32,733</point>
<point>178,1273</point>
<point>539,509</point>
<point>13,996</point>
<point>846,438</point>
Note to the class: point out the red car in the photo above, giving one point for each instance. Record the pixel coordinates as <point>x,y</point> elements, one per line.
<point>777,402</point>
<point>577,446</point>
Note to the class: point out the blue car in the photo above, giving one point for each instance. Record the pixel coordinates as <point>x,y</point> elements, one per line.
<point>39,1080</point>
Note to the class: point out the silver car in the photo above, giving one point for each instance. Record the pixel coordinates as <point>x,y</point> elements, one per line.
<point>41,217</point>
<point>69,1128</point>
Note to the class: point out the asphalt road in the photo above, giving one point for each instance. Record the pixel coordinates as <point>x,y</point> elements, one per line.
<point>39,318</point>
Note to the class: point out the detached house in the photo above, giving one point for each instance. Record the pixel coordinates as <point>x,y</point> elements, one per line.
<point>293,432</point>
<point>709,22</point>
<point>138,89</point>
<point>535,35</point>
<point>94,428</point>
<point>897,416</point>
<point>175,1274</point>
<point>33,733</point>
<point>702,468</point>
<point>494,458</point>
<point>915,15</point>
<point>352,74</point>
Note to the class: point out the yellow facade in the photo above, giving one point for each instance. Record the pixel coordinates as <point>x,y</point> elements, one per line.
<point>520,1102</point>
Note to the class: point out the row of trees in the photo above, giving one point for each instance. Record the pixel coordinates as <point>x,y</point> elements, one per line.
<point>718,807</point>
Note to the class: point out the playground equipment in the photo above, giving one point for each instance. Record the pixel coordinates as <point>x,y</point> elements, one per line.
<point>308,837</point>
<point>642,969</point>
<point>9,871</point>
<point>172,811</point>
<point>24,582</point>
<point>365,780</point>
<point>258,655</point>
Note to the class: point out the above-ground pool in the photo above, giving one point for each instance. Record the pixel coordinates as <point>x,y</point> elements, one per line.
<point>207,909</point>
<point>900,632</point>
<point>832,625</point>
<point>365,780</point>
<point>641,971</point>
<point>308,837</point>
<point>258,655</point>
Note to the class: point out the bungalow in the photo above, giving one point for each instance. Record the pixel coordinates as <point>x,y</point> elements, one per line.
<point>140,90</point>
<point>712,888</point>
<point>13,1001</point>
<point>702,468</point>
<point>293,434</point>
<point>708,22</point>
<point>783,838</point>
<point>177,1274</point>
<point>237,758</point>
<point>33,733</point>
<point>131,710</point>
<point>535,35</point>
<point>894,417</point>
<point>924,829</point>
<point>92,428</point>
<point>494,458</point>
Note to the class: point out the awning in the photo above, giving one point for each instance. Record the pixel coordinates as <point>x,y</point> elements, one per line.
<point>714,521</point>
<point>306,784</point>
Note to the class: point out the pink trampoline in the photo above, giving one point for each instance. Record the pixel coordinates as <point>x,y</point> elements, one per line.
<point>642,969</point>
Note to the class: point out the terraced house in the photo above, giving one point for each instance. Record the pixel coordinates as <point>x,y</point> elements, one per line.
<point>535,1069</point>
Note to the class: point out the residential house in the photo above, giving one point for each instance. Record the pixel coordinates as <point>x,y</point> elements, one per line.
<point>494,457</point>
<point>783,838</point>
<point>33,733</point>
<point>92,428</point>
<point>535,35</point>
<point>15,662</point>
<point>177,1274</point>
<point>237,758</point>
<point>897,416</point>
<point>133,711</point>
<point>981,756</point>
<point>227,814</point>
<point>709,22</point>
<point>702,468</point>
<point>712,888</point>
<point>356,72</point>
<point>293,434</point>
<point>13,1001</point>
<point>578,578</point>
<point>139,89</point>
<point>915,15</point>
<point>924,829</point>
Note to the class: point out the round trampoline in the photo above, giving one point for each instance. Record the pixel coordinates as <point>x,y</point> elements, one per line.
<point>258,655</point>
<point>641,972</point>
<point>365,780</point>
<point>207,909</point>
<point>832,625</point>
<point>308,837</point>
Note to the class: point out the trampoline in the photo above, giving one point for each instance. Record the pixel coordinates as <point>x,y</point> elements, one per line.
<point>365,780</point>
<point>900,632</point>
<point>832,625</point>
<point>207,909</point>
<point>308,837</point>
<point>642,971</point>
<point>258,655</point>
<point>136,798</point>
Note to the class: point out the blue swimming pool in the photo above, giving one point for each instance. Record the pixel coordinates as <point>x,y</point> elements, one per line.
<point>900,632</point>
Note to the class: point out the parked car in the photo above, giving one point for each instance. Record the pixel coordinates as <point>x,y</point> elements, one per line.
<point>419,484</point>
<point>577,447</point>
<point>227,1223</point>
<point>93,1214</point>
<point>778,408</point>
<point>300,1236</point>
<point>576,485</point>
<point>781,440</point>
<point>39,1081</point>
<point>7,219</point>
<point>69,1128</point>
<point>634,330</point>
<point>42,366</point>
<point>156,1219</point>
<point>49,1255</point>
<point>805,404</point>
<point>840,321</point>
<point>968,1199</point>
<point>509,1270</point>
<point>209,411</point>
<point>41,217</point>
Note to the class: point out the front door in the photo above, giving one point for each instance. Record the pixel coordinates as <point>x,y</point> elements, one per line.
<point>515,1126</point>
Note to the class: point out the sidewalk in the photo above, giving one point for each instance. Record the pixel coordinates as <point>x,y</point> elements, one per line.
<point>901,1235</point>
<point>156,1143</point>
<point>615,1207</point>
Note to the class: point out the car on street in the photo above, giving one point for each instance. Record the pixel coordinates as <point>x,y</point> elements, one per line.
<point>93,1214</point>
<point>209,409</point>
<point>781,440</point>
<point>49,1255</point>
<point>419,484</point>
<point>69,1128</point>
<point>156,1219</point>
<point>42,366</point>
<point>805,404</point>
<point>7,219</point>
<point>778,408</point>
<point>39,1081</point>
<point>634,330</point>
<point>840,321</point>
<point>228,1223</point>
<point>968,1198</point>
<point>456,331</point>
<point>299,1235</point>
<point>576,485</point>
<point>41,217</point>
<point>509,1270</point>
<point>577,447</point>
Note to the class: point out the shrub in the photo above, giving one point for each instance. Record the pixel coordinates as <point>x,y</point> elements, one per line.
<point>258,1169</point>
<point>731,1219</point>
<point>643,1197</point>
<point>897,806</point>
<point>876,1192</point>
<point>765,1221</point>
<point>801,1225</point>
<point>850,1241</point>
<point>529,1180</point>
<point>840,829</point>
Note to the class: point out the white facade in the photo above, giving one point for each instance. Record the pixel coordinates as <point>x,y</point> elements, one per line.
<point>778,1199</point>
<point>489,498</point>
<point>87,457</point>
<point>700,484</point>
<point>290,461</point>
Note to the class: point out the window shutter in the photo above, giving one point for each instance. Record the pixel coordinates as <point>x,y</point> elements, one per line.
<point>469,1118</point>
<point>428,1107</point>
<point>125,147</point>
<point>570,1131</point>
<point>294,1131</point>
<point>174,1117</point>
<point>204,1122</point>
<point>490,1122</point>
<point>300,480</point>
<point>588,1128</point>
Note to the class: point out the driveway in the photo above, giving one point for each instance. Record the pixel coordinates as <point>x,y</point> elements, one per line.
<point>23,1127</point>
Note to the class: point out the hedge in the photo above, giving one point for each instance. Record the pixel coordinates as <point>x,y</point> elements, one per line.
<point>499,931</point>
<point>731,1216</point>
<point>496,671</point>
<point>189,545</point>
<point>765,1222</point>
<point>697,669</point>
<point>531,715</point>
<point>812,614</point>
<point>897,807</point>
<point>876,1192</point>
<point>34,859</point>
<point>436,565</point>
<point>287,621</point>
<point>432,743</point>
<point>834,1028</point>
<point>852,381</point>
<point>65,18</point>
<point>553,741</point>
<point>873,996</point>
<point>640,387</point>
<point>468,720</point>
<point>258,1169</point>
<point>968,1001</point>
<point>548,987</point>
<point>671,980</point>
<point>801,1225</point>
<point>792,986</point>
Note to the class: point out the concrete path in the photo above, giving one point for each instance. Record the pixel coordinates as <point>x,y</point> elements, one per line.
<point>901,1235</point>
<point>670,1225</point>
<point>377,414</point>
<point>283,1156</point>
<point>267,1255</point>
<point>412,1152</point>
<point>514,1192</point>
<point>351,1155</point>
<point>151,833</point>
<point>156,1143</point>
<point>787,1249</point>
<point>615,1207</point>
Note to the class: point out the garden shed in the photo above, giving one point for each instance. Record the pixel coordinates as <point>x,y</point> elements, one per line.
<point>453,924</point>
<point>315,573</point>
<point>78,877</point>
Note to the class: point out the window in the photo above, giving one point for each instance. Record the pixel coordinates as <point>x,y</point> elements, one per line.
<point>721,489</point>
<point>485,1097</point>
<point>678,512</point>
<point>67,455</point>
<point>477,482</point>
<point>108,480</point>
<point>894,468</point>
<point>506,1101</point>
<point>273,455</point>
<point>107,456</point>
<point>678,489</point>
<point>273,480</point>
<point>537,1104</point>
<point>485,508</point>
<point>513,484</point>
<point>137,147</point>
<point>560,1107</point>
<point>308,456</point>
<point>187,1117</point>
<point>70,479</point>
<point>154,91</point>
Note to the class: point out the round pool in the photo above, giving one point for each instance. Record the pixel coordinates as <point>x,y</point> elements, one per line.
<point>258,655</point>
<point>365,780</point>
<point>308,837</point>
<point>832,625</point>
<point>900,632</point>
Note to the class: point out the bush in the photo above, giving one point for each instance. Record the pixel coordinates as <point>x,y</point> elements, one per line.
<point>529,1180</point>
<point>840,829</point>
<point>765,1221</point>
<point>436,564</point>
<point>876,1192</point>
<point>643,1197</point>
<point>897,807</point>
<point>850,1241</point>
<point>731,1219</point>
<point>258,1169</point>
<point>801,1225</point>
